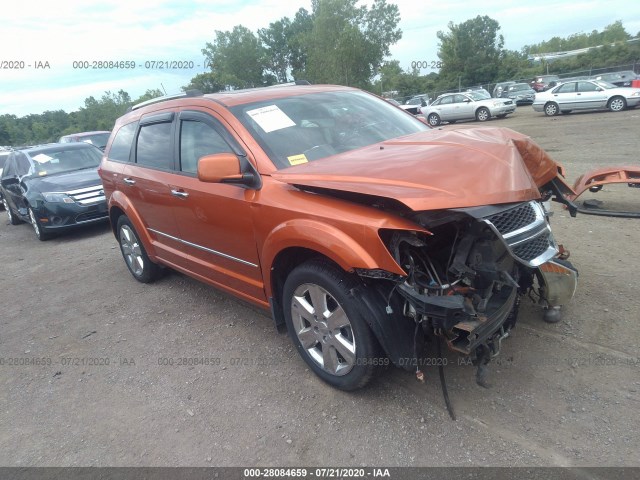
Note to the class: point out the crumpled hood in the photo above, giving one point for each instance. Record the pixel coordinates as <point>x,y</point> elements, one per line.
<point>435,169</point>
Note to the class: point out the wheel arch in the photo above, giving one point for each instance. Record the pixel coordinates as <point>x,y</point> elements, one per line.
<point>120,205</point>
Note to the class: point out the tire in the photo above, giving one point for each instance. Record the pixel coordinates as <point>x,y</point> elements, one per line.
<point>483,114</point>
<point>13,218</point>
<point>37,228</point>
<point>617,104</point>
<point>336,343</point>
<point>434,119</point>
<point>134,254</point>
<point>551,109</point>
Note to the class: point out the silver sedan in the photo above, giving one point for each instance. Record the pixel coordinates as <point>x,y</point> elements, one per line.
<point>585,95</point>
<point>452,107</point>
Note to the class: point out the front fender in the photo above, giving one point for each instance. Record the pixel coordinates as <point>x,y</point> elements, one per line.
<point>367,253</point>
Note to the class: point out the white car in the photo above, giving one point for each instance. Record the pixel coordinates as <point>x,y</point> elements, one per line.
<point>452,107</point>
<point>585,95</point>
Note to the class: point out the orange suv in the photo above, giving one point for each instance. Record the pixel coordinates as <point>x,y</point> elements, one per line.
<point>368,235</point>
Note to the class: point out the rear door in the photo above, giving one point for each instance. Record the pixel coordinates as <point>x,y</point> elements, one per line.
<point>215,219</point>
<point>147,183</point>
<point>565,96</point>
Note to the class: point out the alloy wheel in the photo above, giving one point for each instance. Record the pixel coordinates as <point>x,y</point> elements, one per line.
<point>323,329</point>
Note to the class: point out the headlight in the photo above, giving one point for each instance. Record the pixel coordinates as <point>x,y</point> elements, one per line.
<point>635,94</point>
<point>55,197</point>
<point>498,104</point>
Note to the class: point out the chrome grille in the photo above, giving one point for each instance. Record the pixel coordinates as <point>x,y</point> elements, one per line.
<point>526,233</point>
<point>533,248</point>
<point>514,219</point>
<point>88,195</point>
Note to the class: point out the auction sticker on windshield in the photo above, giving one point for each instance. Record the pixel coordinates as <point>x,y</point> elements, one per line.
<point>271,118</point>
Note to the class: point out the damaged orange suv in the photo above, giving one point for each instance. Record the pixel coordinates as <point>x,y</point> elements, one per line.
<point>363,231</point>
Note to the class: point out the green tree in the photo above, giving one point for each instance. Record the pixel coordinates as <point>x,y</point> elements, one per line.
<point>206,82</point>
<point>237,58</point>
<point>348,43</point>
<point>275,40</point>
<point>470,51</point>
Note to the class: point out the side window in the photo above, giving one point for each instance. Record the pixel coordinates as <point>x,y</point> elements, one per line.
<point>154,146</point>
<point>121,145</point>
<point>22,165</point>
<point>9,170</point>
<point>567,88</point>
<point>196,140</point>
<point>587,87</point>
<point>446,100</point>
<point>459,99</point>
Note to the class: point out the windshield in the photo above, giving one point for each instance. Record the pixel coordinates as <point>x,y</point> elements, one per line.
<point>60,160</point>
<point>304,128</point>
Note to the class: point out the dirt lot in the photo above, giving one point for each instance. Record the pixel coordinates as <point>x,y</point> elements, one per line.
<point>113,389</point>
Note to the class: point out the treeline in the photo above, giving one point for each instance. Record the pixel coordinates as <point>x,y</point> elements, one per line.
<point>472,53</point>
<point>342,43</point>
<point>51,125</point>
<point>336,42</point>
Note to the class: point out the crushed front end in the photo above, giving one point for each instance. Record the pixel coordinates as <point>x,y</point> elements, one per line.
<point>464,280</point>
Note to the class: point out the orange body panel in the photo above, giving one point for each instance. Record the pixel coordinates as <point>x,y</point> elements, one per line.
<point>229,235</point>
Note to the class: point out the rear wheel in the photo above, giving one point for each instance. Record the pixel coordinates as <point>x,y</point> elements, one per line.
<point>13,219</point>
<point>134,254</point>
<point>483,114</point>
<point>551,109</point>
<point>325,323</point>
<point>617,104</point>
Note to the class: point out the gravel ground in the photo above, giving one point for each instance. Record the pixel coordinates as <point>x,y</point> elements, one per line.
<point>114,389</point>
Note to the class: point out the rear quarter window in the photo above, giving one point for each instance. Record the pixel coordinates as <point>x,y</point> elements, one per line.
<point>121,145</point>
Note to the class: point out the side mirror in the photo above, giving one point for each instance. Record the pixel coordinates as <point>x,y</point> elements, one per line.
<point>466,100</point>
<point>225,168</point>
<point>218,168</point>
<point>422,102</point>
<point>599,89</point>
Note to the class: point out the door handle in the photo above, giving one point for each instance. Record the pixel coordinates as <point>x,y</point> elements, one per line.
<point>129,181</point>
<point>179,194</point>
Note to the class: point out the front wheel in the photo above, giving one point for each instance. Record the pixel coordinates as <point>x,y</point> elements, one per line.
<point>325,323</point>
<point>433,119</point>
<point>134,254</point>
<point>483,114</point>
<point>551,109</point>
<point>37,228</point>
<point>13,218</point>
<point>617,104</point>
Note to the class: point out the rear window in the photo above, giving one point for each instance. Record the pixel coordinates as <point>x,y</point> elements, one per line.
<point>154,146</point>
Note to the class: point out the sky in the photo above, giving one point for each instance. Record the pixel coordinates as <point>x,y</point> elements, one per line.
<point>45,44</point>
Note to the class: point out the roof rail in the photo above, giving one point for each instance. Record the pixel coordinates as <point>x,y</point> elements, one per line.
<point>186,93</point>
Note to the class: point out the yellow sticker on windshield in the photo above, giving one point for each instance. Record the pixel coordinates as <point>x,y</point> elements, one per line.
<point>297,159</point>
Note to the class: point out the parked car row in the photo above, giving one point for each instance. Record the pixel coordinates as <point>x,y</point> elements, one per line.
<point>585,95</point>
<point>452,107</point>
